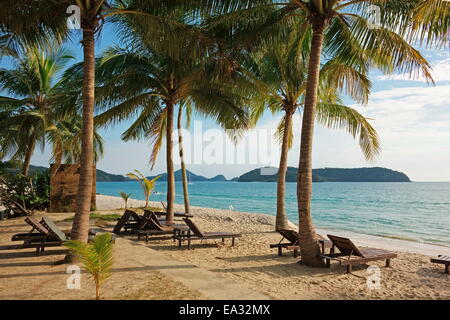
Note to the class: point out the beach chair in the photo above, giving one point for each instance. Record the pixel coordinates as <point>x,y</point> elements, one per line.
<point>160,222</point>
<point>350,254</point>
<point>151,226</point>
<point>194,233</point>
<point>293,242</point>
<point>291,236</point>
<point>38,232</point>
<point>44,233</point>
<point>175,214</point>
<point>129,220</point>
<point>441,259</point>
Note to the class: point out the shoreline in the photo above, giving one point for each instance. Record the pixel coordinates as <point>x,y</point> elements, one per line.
<point>105,202</point>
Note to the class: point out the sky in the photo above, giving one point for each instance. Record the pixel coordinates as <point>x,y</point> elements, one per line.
<point>411,117</point>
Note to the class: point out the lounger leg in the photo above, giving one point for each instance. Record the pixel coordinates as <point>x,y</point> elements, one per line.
<point>232,242</point>
<point>388,262</point>
<point>38,251</point>
<point>328,262</point>
<point>223,240</point>
<point>146,237</point>
<point>349,268</point>
<point>280,251</point>
<point>446,269</point>
<point>296,253</point>
<point>189,243</point>
<point>179,241</point>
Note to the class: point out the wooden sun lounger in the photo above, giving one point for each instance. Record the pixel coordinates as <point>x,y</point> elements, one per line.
<point>47,235</point>
<point>175,214</point>
<point>129,220</point>
<point>291,236</point>
<point>441,259</point>
<point>293,242</point>
<point>159,214</point>
<point>199,235</point>
<point>350,254</point>
<point>151,226</point>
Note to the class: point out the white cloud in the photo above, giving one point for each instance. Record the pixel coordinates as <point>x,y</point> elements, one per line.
<point>440,73</point>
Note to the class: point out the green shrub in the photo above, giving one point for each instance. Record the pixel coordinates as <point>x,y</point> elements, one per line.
<point>23,195</point>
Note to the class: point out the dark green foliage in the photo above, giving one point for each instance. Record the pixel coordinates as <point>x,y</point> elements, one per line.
<point>104,176</point>
<point>14,168</point>
<point>291,176</point>
<point>332,174</point>
<point>23,195</point>
<point>376,174</point>
<point>6,166</point>
<point>42,185</point>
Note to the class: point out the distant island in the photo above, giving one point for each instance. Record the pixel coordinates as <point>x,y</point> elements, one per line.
<point>101,175</point>
<point>375,174</point>
<point>191,177</point>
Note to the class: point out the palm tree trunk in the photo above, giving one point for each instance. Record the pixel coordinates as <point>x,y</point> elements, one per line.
<point>29,154</point>
<point>80,227</point>
<point>183,165</point>
<point>169,161</point>
<point>281,221</point>
<point>309,246</point>
<point>58,160</point>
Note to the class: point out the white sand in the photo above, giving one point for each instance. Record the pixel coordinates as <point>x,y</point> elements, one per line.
<point>143,274</point>
<point>115,203</point>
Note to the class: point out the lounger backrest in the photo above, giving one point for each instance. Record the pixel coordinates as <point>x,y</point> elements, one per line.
<point>193,227</point>
<point>155,219</point>
<point>136,217</point>
<point>147,213</point>
<point>164,205</point>
<point>123,219</point>
<point>33,222</point>
<point>53,229</point>
<point>290,235</point>
<point>345,245</point>
<point>154,223</point>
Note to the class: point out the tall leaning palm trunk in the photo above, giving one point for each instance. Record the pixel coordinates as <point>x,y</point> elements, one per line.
<point>308,245</point>
<point>80,225</point>
<point>183,165</point>
<point>29,154</point>
<point>169,163</point>
<point>281,218</point>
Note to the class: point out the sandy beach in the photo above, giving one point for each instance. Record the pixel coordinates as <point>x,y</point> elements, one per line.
<point>251,267</point>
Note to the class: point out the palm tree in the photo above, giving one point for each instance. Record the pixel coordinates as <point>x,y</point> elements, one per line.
<point>279,73</point>
<point>149,85</point>
<point>65,137</point>
<point>36,19</point>
<point>96,256</point>
<point>339,29</point>
<point>184,179</point>
<point>146,184</point>
<point>125,196</point>
<point>331,27</point>
<point>34,93</point>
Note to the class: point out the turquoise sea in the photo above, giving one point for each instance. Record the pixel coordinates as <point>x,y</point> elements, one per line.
<point>416,211</point>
